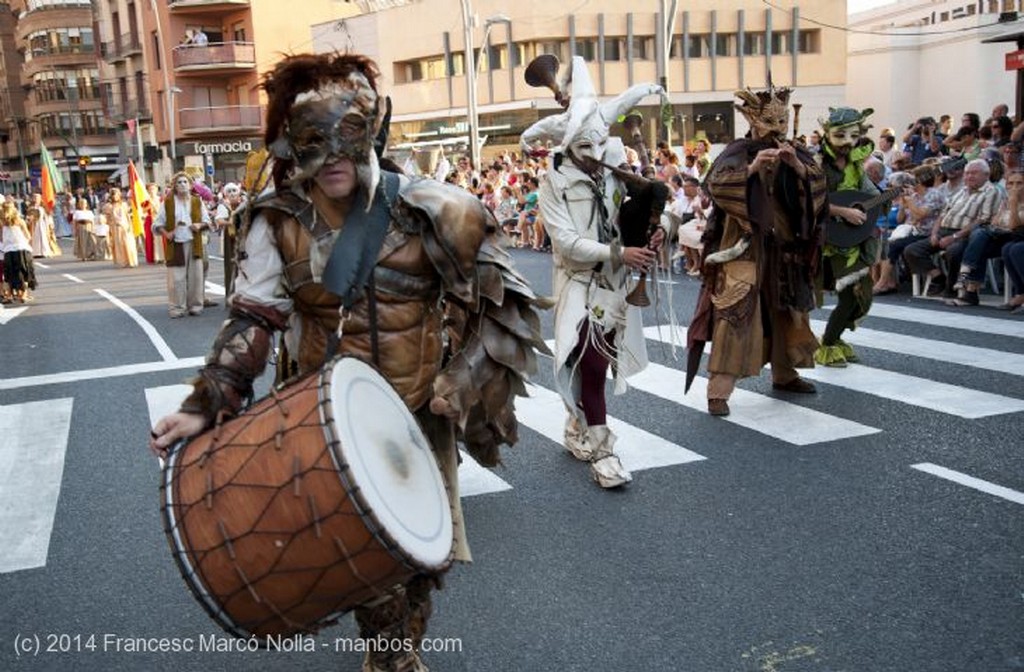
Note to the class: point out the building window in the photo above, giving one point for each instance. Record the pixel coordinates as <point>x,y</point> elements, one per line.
<point>642,48</point>
<point>725,44</point>
<point>434,68</point>
<point>614,49</point>
<point>699,46</point>
<point>810,41</point>
<point>495,55</point>
<point>587,49</point>
<point>238,31</point>
<point>780,43</point>
<point>556,49</point>
<point>753,44</point>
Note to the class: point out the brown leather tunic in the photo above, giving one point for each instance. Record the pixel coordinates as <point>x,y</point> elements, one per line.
<point>407,290</point>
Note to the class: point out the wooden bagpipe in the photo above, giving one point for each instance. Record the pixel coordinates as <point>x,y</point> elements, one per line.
<point>640,215</point>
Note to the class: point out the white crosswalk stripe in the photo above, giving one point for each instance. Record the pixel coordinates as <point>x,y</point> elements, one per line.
<point>8,314</point>
<point>921,392</point>
<point>35,439</point>
<point>926,348</point>
<point>32,453</point>
<point>936,318</point>
<point>766,415</point>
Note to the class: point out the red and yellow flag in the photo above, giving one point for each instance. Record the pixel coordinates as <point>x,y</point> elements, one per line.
<point>138,199</point>
<point>50,181</point>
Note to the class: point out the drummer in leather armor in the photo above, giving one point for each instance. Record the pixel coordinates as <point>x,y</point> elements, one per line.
<point>405,273</point>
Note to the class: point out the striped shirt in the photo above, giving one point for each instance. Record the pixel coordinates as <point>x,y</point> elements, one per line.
<point>967,208</point>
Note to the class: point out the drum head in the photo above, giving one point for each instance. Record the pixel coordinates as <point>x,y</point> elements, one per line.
<point>391,461</point>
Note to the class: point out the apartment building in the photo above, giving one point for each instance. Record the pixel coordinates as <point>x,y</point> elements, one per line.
<point>930,57</point>
<point>714,48</point>
<point>52,91</point>
<point>206,107</point>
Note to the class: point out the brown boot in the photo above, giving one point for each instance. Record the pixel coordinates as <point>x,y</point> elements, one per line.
<point>719,407</point>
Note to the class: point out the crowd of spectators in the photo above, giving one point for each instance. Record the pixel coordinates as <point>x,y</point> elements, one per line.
<point>100,226</point>
<point>955,206</point>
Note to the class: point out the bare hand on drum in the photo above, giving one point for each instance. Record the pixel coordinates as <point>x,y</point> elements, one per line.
<point>173,428</point>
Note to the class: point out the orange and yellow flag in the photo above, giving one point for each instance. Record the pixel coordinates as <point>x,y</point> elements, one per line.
<point>50,181</point>
<point>138,199</point>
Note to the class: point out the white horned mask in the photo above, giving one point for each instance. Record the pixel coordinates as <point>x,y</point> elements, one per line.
<point>582,130</point>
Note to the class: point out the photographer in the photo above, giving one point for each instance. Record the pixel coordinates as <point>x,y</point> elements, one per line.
<point>922,140</point>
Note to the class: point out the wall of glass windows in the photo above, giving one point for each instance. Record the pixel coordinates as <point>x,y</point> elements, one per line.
<point>68,124</point>
<point>616,48</point>
<point>53,85</point>
<point>51,41</point>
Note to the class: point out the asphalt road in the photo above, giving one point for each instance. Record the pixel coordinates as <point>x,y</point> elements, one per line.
<point>875,526</point>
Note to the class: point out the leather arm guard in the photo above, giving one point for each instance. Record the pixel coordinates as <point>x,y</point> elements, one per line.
<point>239,355</point>
<point>494,346</point>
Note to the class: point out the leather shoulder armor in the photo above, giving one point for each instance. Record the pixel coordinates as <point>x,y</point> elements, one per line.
<point>453,224</point>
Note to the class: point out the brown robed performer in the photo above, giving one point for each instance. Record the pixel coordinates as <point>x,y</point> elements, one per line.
<point>762,249</point>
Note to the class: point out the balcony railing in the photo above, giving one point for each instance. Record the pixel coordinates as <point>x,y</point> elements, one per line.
<point>204,5</point>
<point>131,109</point>
<point>215,55</point>
<point>194,119</point>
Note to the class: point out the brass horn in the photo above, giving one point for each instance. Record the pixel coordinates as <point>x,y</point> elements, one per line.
<point>543,71</point>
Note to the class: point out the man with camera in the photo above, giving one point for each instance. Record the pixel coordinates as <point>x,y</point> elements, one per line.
<point>922,140</point>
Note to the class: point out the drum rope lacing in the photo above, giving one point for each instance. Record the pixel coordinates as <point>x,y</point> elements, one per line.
<point>226,469</point>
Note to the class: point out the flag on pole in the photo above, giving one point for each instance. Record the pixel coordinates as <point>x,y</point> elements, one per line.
<point>138,199</point>
<point>51,182</point>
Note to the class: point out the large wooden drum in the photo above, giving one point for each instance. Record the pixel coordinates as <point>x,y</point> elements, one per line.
<point>316,499</point>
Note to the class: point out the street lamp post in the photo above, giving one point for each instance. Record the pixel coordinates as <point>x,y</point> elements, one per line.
<point>472,111</point>
<point>470,67</point>
<point>73,109</point>
<point>171,92</point>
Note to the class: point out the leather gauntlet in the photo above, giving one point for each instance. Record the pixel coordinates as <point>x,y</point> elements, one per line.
<point>239,355</point>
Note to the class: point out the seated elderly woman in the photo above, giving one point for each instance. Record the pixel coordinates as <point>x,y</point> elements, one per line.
<point>919,208</point>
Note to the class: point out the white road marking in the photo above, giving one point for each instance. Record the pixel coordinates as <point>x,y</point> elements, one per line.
<point>74,279</point>
<point>767,415</point>
<point>154,336</point>
<point>39,264</point>
<point>944,398</point>
<point>473,478</point>
<point>926,348</point>
<point>35,439</point>
<point>971,482</point>
<point>96,374</point>
<point>214,288</point>
<point>772,417</point>
<point>544,413</point>
<point>8,314</point>
<point>966,320</point>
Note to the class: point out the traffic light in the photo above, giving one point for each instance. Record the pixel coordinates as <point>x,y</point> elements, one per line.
<point>84,161</point>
